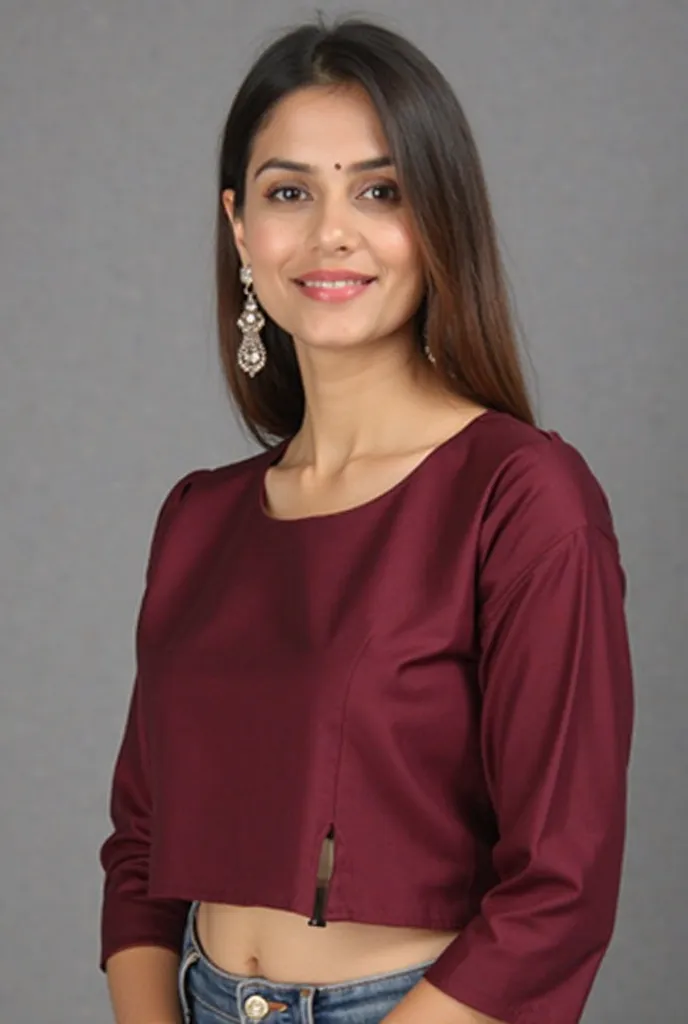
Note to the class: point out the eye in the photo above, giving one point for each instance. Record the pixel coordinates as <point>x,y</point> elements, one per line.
<point>283,189</point>
<point>385,187</point>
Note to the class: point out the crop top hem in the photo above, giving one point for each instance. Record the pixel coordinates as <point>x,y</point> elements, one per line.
<point>441,916</point>
<point>445,914</point>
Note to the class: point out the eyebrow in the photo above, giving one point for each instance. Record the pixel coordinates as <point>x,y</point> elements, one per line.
<point>278,163</point>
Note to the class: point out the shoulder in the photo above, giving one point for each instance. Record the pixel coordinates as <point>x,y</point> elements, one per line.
<point>539,474</point>
<point>210,483</point>
<point>536,489</point>
<point>204,490</point>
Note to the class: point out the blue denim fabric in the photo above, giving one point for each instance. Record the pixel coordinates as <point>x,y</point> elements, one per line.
<point>209,995</point>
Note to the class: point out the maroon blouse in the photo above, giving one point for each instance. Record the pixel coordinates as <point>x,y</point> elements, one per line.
<point>437,683</point>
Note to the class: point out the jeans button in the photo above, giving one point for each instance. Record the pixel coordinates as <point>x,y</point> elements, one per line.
<point>256,1007</point>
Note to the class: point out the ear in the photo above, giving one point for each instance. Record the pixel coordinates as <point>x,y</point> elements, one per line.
<point>237,225</point>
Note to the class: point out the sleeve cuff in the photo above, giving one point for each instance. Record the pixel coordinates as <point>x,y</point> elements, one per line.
<point>142,922</point>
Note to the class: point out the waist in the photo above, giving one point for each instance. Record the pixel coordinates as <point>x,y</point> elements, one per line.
<point>277,944</point>
<point>214,994</point>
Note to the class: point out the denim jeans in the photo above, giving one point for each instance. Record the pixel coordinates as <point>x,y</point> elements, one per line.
<point>210,995</point>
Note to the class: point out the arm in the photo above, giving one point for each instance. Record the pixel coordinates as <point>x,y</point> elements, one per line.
<point>142,982</point>
<point>140,937</point>
<point>556,725</point>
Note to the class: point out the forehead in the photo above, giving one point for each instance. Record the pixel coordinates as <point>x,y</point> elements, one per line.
<point>322,124</point>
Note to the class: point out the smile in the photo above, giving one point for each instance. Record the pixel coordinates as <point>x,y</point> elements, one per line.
<point>334,291</point>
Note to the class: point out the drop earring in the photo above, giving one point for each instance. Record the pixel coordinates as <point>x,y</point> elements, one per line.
<point>251,354</point>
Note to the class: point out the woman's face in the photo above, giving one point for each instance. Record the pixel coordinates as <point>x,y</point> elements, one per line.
<point>328,215</point>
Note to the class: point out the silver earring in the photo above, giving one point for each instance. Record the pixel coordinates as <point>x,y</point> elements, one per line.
<point>251,354</point>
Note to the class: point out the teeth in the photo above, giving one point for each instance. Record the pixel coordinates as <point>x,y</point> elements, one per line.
<point>332,284</point>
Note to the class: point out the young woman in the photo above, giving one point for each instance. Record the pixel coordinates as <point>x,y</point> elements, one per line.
<point>375,762</point>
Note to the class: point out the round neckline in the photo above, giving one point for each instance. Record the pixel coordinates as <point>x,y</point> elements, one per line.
<point>275,455</point>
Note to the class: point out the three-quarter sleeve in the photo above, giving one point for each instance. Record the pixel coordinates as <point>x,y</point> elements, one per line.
<point>556,724</point>
<point>128,916</point>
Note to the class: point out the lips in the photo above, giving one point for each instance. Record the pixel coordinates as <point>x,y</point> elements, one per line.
<point>343,282</point>
<point>334,288</point>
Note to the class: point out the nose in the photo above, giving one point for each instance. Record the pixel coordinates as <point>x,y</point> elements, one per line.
<point>334,225</point>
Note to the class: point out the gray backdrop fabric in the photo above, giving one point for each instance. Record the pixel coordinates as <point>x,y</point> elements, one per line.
<point>111,390</point>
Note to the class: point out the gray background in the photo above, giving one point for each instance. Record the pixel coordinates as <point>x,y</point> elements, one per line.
<point>111,390</point>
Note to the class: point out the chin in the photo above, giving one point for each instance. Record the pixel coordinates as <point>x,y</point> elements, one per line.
<point>331,341</point>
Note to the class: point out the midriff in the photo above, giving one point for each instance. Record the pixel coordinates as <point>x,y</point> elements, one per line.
<point>280,945</point>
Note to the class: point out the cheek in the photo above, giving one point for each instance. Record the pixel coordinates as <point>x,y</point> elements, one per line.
<point>397,247</point>
<point>269,241</point>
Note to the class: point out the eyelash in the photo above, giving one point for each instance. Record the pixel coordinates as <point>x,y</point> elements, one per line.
<point>272,194</point>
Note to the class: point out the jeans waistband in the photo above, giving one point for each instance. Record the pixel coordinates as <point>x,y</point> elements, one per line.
<point>249,997</point>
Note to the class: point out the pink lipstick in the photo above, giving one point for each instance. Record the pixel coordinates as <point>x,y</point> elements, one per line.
<point>333,285</point>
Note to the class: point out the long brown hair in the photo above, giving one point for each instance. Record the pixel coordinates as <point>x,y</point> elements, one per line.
<point>465,313</point>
